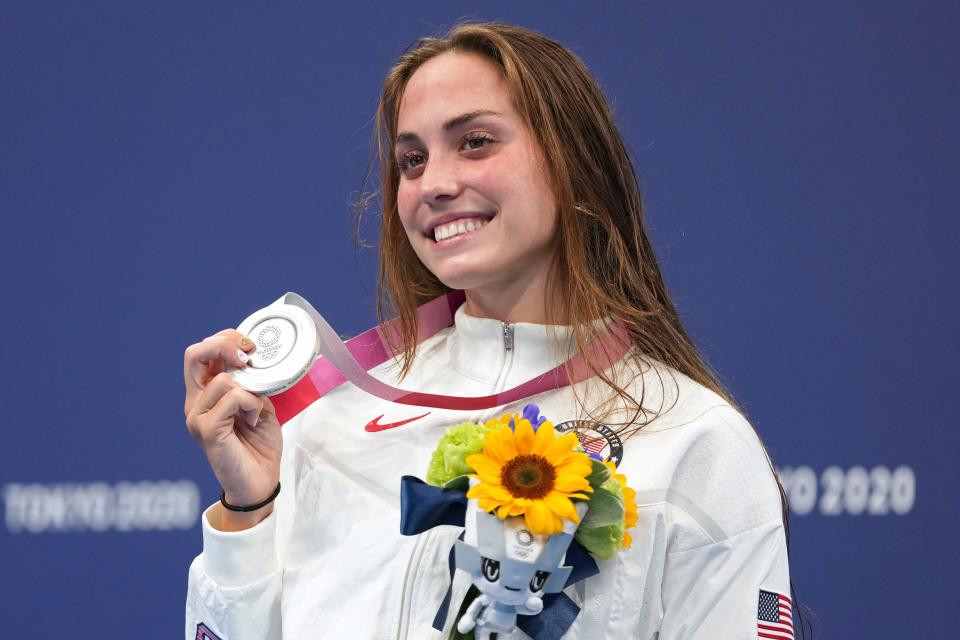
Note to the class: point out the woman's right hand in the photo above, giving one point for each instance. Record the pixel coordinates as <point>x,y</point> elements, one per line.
<point>237,430</point>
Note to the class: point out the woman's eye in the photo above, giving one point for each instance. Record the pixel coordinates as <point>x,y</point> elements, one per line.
<point>477,141</point>
<point>409,161</point>
<point>412,160</point>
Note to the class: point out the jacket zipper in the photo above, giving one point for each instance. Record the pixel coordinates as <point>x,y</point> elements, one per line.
<point>508,349</point>
<point>507,336</point>
<point>417,554</point>
<point>412,565</point>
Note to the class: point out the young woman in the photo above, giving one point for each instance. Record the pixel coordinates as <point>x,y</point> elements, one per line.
<point>504,176</point>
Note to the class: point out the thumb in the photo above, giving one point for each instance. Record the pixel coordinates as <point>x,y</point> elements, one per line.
<point>268,411</point>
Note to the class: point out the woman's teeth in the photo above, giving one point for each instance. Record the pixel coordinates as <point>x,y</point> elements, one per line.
<point>457,228</point>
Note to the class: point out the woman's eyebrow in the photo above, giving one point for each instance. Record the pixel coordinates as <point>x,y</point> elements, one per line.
<point>452,123</point>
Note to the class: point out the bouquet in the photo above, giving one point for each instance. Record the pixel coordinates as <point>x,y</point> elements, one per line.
<point>536,510</point>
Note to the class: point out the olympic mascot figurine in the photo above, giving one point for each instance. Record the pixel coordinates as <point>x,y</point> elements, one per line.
<point>536,509</point>
<point>511,566</point>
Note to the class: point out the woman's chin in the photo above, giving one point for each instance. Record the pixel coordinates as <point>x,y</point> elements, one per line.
<point>461,281</point>
<point>461,271</point>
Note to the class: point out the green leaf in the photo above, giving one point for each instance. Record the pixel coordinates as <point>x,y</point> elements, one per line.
<point>603,542</point>
<point>606,508</point>
<point>602,528</point>
<point>598,475</point>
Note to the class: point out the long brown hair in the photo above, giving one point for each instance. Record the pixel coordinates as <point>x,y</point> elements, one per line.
<point>604,265</point>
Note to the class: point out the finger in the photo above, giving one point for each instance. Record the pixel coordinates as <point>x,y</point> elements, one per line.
<point>205,359</point>
<point>235,402</point>
<point>268,412</point>
<point>234,338</point>
<point>268,405</point>
<point>244,343</point>
<point>220,385</point>
<point>203,399</point>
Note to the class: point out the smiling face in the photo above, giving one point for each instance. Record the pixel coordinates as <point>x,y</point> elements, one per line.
<point>473,196</point>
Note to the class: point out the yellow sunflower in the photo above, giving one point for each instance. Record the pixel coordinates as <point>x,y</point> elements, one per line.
<point>629,504</point>
<point>536,474</point>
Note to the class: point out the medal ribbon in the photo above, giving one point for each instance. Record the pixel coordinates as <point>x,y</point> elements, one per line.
<point>350,361</point>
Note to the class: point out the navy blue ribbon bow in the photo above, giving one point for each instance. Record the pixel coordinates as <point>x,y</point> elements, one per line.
<point>424,506</point>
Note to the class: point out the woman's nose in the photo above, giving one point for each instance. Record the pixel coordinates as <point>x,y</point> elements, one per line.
<point>440,180</point>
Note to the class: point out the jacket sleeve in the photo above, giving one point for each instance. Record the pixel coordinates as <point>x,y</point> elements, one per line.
<point>727,566</point>
<point>738,588</point>
<point>235,584</point>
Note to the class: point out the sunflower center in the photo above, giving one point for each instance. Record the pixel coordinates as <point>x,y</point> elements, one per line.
<point>528,476</point>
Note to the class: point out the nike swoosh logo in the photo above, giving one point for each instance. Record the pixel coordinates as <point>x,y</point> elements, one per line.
<point>374,425</point>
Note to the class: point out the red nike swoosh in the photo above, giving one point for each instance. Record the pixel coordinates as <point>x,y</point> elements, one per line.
<point>374,425</point>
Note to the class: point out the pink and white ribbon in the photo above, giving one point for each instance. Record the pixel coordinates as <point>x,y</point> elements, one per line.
<point>350,361</point>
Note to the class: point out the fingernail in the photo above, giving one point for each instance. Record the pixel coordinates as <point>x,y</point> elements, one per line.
<point>242,356</point>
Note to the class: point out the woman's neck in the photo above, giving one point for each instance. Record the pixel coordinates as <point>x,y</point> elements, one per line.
<point>516,302</point>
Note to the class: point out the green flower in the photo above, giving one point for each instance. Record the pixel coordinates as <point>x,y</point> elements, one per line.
<point>602,530</point>
<point>449,458</point>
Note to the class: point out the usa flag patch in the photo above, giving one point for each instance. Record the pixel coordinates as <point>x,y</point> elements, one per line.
<point>774,616</point>
<point>204,633</point>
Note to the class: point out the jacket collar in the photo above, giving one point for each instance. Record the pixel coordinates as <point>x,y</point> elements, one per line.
<point>505,355</point>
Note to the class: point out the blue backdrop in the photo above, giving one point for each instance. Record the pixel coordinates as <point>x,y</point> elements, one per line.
<point>167,168</point>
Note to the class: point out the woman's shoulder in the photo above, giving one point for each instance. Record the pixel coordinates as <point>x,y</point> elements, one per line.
<point>700,454</point>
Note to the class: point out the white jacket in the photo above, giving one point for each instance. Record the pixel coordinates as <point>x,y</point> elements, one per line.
<point>330,561</point>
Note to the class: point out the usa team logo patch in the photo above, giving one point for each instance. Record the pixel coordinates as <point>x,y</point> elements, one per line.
<point>204,633</point>
<point>774,616</point>
<point>595,438</point>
